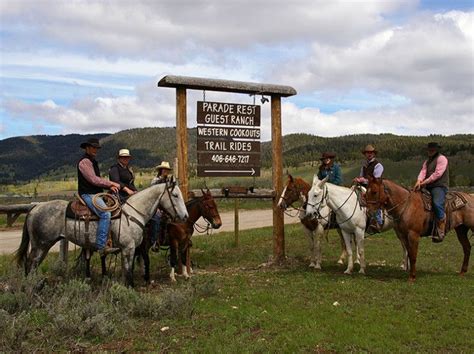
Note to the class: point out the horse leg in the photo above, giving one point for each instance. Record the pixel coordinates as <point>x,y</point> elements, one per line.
<point>36,256</point>
<point>358,256</point>
<point>188,260</point>
<point>343,255</point>
<point>461,232</point>
<point>413,240</point>
<point>347,240</point>
<point>173,258</point>
<point>127,266</point>
<point>103,265</point>
<point>146,265</point>
<point>184,263</point>
<point>312,247</point>
<point>359,237</point>
<point>404,265</point>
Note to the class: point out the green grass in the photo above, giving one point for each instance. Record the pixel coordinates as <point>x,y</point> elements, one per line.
<point>240,305</point>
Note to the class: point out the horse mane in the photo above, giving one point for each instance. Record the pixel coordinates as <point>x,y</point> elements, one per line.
<point>301,182</point>
<point>396,184</point>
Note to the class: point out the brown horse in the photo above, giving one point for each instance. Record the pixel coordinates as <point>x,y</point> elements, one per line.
<point>411,221</point>
<point>180,235</point>
<point>296,189</point>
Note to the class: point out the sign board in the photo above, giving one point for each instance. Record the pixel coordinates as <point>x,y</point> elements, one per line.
<point>228,139</point>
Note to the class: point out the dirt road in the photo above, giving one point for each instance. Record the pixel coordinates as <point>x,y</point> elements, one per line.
<point>248,219</point>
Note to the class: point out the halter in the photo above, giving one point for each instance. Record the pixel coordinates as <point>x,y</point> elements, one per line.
<point>325,197</point>
<point>290,205</point>
<point>203,204</point>
<point>379,203</point>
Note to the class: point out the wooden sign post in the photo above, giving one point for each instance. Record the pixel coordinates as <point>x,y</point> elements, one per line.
<point>182,83</point>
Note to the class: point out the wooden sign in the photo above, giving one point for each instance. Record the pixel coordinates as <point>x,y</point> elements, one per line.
<point>228,139</point>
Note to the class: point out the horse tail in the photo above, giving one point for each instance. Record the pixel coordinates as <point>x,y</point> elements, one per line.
<point>22,251</point>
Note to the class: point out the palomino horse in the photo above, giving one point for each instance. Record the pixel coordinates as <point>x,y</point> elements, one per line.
<point>46,224</point>
<point>180,235</point>
<point>350,215</point>
<point>411,221</point>
<point>296,189</point>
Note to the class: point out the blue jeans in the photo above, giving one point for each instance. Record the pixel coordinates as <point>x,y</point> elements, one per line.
<point>155,227</point>
<point>378,217</point>
<point>439,196</point>
<point>104,219</point>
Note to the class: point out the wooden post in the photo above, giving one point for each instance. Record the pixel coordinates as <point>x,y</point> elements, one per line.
<point>63,250</point>
<point>182,141</point>
<point>236,222</point>
<point>277,173</point>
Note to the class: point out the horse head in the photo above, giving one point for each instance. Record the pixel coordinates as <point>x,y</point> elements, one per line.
<point>376,195</point>
<point>209,210</point>
<point>317,196</point>
<point>172,200</point>
<point>293,191</point>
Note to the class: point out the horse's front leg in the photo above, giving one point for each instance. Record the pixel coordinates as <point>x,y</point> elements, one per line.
<point>405,265</point>
<point>413,240</point>
<point>343,255</point>
<point>347,240</point>
<point>184,257</point>
<point>173,258</point>
<point>359,237</point>
<point>312,243</point>
<point>127,265</point>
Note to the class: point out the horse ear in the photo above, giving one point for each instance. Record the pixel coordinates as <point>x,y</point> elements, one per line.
<point>290,178</point>
<point>324,180</point>
<point>202,191</point>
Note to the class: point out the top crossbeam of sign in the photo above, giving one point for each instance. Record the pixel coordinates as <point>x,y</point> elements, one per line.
<point>197,83</point>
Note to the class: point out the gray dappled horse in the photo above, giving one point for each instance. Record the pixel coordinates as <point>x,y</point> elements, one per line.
<point>46,224</point>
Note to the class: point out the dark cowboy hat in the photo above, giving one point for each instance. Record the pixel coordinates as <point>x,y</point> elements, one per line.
<point>94,142</point>
<point>369,148</point>
<point>433,145</point>
<point>327,155</point>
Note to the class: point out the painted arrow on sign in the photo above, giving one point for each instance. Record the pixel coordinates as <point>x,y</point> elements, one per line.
<point>252,171</point>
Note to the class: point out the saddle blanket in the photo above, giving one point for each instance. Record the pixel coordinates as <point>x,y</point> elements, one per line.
<point>454,201</point>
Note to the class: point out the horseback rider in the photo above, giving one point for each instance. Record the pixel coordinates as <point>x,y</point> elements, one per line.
<point>123,175</point>
<point>89,184</point>
<point>158,229</point>
<point>371,168</point>
<point>330,168</point>
<point>434,176</point>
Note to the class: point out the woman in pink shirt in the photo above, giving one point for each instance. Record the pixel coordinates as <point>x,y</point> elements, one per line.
<point>434,176</point>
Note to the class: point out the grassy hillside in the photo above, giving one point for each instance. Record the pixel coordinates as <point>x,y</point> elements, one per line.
<point>25,159</point>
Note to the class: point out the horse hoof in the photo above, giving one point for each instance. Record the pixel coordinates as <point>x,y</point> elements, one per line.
<point>461,274</point>
<point>357,262</point>
<point>411,280</point>
<point>315,265</point>
<point>173,279</point>
<point>340,262</point>
<point>348,272</point>
<point>362,271</point>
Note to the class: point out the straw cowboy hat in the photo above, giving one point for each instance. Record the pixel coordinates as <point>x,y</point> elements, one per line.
<point>124,153</point>
<point>327,155</point>
<point>369,148</point>
<point>165,165</point>
<point>94,142</point>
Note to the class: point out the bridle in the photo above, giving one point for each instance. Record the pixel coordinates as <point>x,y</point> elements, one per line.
<point>205,209</point>
<point>294,193</point>
<point>379,203</point>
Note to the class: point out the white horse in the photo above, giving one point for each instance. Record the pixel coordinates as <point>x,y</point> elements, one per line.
<point>297,189</point>
<point>46,224</point>
<point>350,215</point>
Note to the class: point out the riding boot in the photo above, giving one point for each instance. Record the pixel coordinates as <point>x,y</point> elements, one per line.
<point>440,230</point>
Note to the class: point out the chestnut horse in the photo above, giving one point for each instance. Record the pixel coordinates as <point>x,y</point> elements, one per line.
<point>296,189</point>
<point>180,235</point>
<point>411,221</point>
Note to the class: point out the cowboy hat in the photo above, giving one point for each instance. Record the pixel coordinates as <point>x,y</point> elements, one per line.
<point>124,153</point>
<point>94,142</point>
<point>165,165</point>
<point>433,145</point>
<point>327,155</point>
<point>369,148</point>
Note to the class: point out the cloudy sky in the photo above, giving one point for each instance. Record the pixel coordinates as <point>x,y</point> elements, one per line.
<point>402,66</point>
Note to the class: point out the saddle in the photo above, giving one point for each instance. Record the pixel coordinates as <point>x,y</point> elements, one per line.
<point>454,201</point>
<point>78,210</point>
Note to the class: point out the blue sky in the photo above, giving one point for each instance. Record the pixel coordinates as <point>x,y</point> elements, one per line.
<point>402,67</point>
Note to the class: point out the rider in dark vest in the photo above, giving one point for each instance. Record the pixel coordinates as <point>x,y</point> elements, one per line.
<point>123,174</point>
<point>371,168</point>
<point>89,184</point>
<point>434,176</point>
